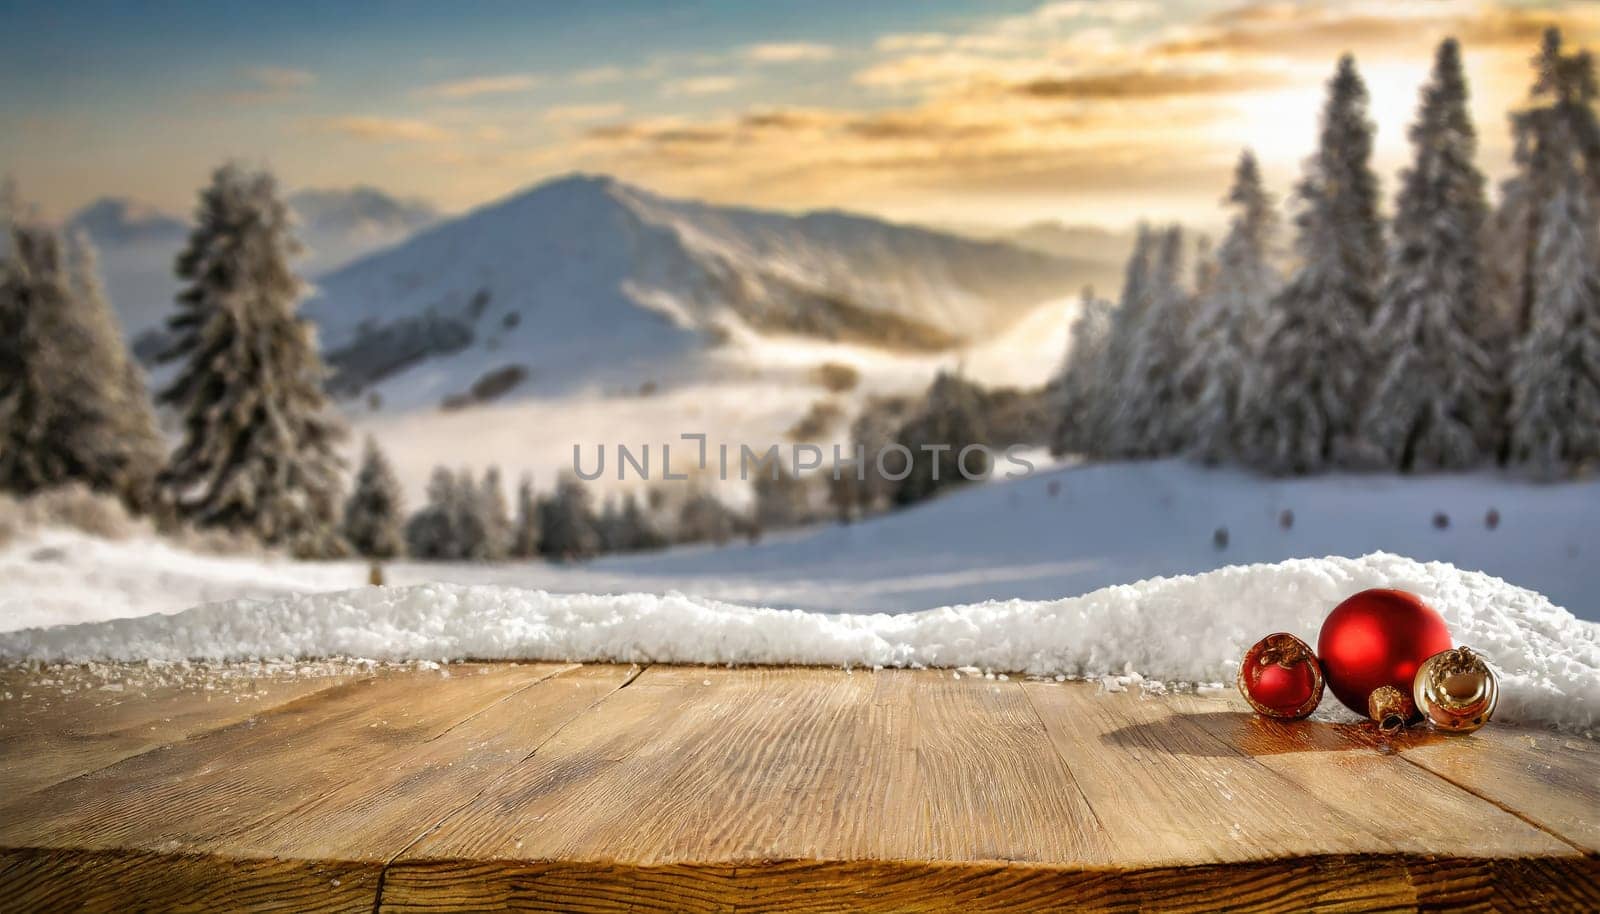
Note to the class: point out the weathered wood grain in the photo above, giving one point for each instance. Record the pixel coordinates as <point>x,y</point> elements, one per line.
<point>1548,779</point>
<point>203,801</point>
<point>555,787</point>
<point>1353,768</point>
<point>66,721</point>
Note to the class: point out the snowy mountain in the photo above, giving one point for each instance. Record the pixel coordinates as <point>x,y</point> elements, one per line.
<point>586,281</point>
<point>139,242</point>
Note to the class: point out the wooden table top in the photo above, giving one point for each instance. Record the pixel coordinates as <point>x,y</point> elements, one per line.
<point>568,787</point>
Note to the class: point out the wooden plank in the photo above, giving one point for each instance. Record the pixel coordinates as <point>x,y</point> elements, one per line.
<point>1548,779</point>
<point>401,797</point>
<point>691,774</point>
<point>1353,768</point>
<point>552,787</point>
<point>1170,794</point>
<point>61,722</point>
<point>197,801</point>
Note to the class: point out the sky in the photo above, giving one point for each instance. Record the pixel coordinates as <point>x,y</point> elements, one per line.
<point>983,112</point>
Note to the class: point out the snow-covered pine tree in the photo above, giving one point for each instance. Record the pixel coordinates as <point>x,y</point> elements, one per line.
<point>497,531</point>
<point>1306,391</point>
<point>431,531</point>
<point>140,436</point>
<point>1561,104</point>
<point>570,532</point>
<point>1078,388</point>
<point>1439,397</point>
<point>259,448</point>
<point>1152,409</point>
<point>374,513</point>
<point>1230,315</point>
<point>1555,374</point>
<point>525,528</point>
<point>68,411</point>
<point>1105,411</point>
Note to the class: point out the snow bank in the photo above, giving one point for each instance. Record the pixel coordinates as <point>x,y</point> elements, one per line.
<point>1179,629</point>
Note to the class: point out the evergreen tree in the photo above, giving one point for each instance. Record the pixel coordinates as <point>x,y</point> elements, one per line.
<point>705,519</point>
<point>525,536</point>
<point>471,513</point>
<point>951,420</point>
<point>71,409</point>
<point>431,532</point>
<point>259,448</point>
<point>1231,312</point>
<point>1559,120</point>
<point>497,533</point>
<point>374,513</point>
<point>570,532</point>
<point>1152,406</point>
<point>1079,387</point>
<point>642,532</point>
<point>782,499</point>
<point>1306,390</point>
<point>1555,376</point>
<point>1107,413</point>
<point>1437,404</point>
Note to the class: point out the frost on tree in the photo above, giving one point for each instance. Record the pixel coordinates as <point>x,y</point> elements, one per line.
<point>1437,403</point>
<point>374,514</point>
<point>1311,372</point>
<point>1126,320</point>
<point>72,405</point>
<point>259,446</point>
<point>1077,389</point>
<point>1555,376</point>
<point>1561,104</point>
<point>1150,404</point>
<point>1231,312</point>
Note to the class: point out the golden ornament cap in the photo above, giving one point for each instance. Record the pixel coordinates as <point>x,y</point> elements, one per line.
<point>1456,690</point>
<point>1390,708</point>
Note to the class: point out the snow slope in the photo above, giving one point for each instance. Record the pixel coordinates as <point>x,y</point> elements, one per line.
<point>1183,629</point>
<point>586,282</point>
<point>1105,525</point>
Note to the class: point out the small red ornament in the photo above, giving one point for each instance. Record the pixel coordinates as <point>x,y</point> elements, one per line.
<point>1280,677</point>
<point>1379,638</point>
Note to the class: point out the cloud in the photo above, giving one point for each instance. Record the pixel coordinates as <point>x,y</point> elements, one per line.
<point>480,85</point>
<point>279,79</point>
<point>1318,30</point>
<point>569,114</point>
<point>382,129</point>
<point>787,52</point>
<point>595,76</point>
<point>1147,84</point>
<point>700,85</point>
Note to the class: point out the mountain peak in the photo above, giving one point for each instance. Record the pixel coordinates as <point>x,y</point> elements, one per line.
<point>123,220</point>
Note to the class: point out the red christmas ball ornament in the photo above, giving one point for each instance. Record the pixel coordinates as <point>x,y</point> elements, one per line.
<point>1280,677</point>
<point>1378,639</point>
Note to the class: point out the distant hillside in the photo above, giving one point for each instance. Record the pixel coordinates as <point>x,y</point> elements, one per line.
<point>586,280</point>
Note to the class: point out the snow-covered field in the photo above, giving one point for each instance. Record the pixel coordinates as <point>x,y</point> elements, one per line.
<point>1057,533</point>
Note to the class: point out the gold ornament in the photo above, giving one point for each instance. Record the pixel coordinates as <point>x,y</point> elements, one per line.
<point>1456,690</point>
<point>1390,708</point>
